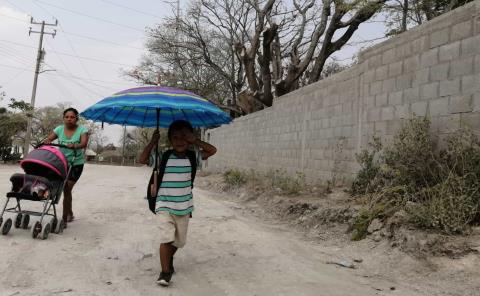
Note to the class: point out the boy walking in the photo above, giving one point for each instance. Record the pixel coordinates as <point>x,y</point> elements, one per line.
<point>173,203</point>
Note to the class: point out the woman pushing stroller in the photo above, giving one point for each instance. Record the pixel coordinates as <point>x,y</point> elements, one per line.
<point>75,137</point>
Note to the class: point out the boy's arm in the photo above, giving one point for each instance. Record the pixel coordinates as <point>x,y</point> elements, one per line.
<point>144,156</point>
<point>206,149</point>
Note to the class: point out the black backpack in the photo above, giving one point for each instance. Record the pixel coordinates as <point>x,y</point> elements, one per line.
<point>152,200</point>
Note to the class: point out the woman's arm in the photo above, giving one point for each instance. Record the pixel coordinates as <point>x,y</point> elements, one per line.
<point>83,141</point>
<point>52,137</point>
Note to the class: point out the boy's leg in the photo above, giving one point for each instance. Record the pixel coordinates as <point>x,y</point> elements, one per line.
<point>166,254</point>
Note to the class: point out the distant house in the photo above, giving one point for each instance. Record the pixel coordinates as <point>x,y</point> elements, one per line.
<point>90,155</point>
<point>110,156</point>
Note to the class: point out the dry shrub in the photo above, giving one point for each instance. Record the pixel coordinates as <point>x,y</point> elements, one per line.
<point>381,204</point>
<point>443,186</point>
<point>450,206</point>
<point>234,178</point>
<point>273,180</point>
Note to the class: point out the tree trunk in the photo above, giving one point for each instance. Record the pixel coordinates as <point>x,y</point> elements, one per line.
<point>404,16</point>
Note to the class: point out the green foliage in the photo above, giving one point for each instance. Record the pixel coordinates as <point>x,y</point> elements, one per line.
<point>369,167</point>
<point>20,105</point>
<point>410,157</point>
<point>10,125</point>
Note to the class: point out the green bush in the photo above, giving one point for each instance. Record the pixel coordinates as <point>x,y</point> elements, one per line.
<point>369,167</point>
<point>409,161</point>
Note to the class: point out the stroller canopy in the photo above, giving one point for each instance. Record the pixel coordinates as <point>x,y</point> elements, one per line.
<point>45,161</point>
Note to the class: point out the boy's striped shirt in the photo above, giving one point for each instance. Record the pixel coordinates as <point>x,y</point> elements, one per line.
<point>175,194</point>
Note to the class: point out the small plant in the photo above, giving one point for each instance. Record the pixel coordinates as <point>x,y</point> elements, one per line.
<point>382,205</point>
<point>281,180</point>
<point>368,167</point>
<point>234,178</point>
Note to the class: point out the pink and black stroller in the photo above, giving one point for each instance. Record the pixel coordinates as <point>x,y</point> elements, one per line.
<point>46,173</point>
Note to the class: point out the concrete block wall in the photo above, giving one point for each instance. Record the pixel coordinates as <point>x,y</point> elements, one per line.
<point>432,70</point>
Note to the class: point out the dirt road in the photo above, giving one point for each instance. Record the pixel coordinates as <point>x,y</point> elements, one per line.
<point>111,249</point>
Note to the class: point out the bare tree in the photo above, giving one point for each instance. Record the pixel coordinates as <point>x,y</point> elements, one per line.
<point>404,14</point>
<point>260,49</point>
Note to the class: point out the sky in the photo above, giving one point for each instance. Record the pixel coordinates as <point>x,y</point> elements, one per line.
<point>95,42</point>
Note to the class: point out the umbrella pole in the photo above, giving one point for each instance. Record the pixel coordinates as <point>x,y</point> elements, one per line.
<point>156,148</point>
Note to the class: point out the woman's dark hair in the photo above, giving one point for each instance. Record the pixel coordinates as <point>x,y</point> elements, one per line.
<point>71,110</point>
<point>179,125</point>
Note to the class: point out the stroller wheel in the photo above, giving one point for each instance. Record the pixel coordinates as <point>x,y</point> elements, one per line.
<point>18,220</point>
<point>25,221</point>
<point>36,229</point>
<point>46,231</point>
<point>6,226</point>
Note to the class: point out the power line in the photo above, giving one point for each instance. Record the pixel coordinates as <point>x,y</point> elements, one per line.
<point>17,7</point>
<point>85,79</point>
<point>68,40</point>
<point>14,55</point>
<point>59,57</point>
<point>13,67</point>
<point>61,88</point>
<point>130,8</point>
<point>16,76</point>
<point>83,86</point>
<point>71,76</point>
<point>71,55</point>
<point>15,18</point>
<point>75,34</point>
<point>92,17</point>
<point>101,40</point>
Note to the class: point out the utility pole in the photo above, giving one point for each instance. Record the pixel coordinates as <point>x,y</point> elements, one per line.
<point>40,57</point>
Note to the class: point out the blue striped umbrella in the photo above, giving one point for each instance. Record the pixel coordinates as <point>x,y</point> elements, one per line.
<point>155,106</point>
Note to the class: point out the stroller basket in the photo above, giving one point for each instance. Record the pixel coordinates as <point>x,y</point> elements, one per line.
<point>36,188</point>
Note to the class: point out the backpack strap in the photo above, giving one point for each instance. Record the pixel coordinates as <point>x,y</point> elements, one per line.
<point>193,163</point>
<point>152,200</point>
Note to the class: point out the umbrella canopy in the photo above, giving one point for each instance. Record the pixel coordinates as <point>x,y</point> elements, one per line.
<point>155,106</point>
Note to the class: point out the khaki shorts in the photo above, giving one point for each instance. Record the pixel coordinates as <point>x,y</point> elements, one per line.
<point>173,228</point>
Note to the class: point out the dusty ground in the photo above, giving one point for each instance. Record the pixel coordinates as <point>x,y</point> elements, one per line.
<point>111,249</point>
<point>426,261</point>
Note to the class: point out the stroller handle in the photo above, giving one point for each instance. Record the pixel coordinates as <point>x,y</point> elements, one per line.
<point>58,145</point>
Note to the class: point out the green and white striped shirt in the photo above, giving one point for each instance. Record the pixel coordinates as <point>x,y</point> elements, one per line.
<point>175,194</point>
